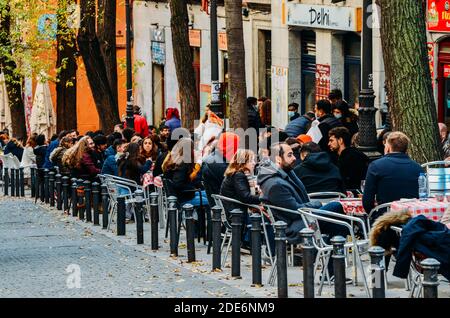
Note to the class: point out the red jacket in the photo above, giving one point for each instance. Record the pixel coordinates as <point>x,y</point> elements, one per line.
<point>140,125</point>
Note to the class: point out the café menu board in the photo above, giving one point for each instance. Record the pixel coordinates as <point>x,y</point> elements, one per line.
<point>438,15</point>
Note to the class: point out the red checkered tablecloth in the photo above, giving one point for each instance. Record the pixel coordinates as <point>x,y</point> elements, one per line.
<point>353,206</point>
<point>431,208</point>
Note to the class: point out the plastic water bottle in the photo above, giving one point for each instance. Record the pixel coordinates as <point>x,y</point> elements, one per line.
<point>423,191</point>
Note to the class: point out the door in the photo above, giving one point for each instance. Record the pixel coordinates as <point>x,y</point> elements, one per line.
<point>308,76</point>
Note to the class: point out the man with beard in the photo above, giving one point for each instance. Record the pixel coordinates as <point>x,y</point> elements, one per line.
<point>281,187</point>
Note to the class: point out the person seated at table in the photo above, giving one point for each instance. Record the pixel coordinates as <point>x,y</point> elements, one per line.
<point>237,185</point>
<point>393,177</point>
<point>216,163</point>
<point>181,168</point>
<point>317,172</point>
<point>280,187</point>
<point>352,163</point>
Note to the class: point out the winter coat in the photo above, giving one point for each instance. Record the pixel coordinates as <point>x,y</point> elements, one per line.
<point>110,151</point>
<point>40,152</point>
<point>134,172</point>
<point>237,187</point>
<point>110,166</point>
<point>353,165</point>
<point>13,148</point>
<point>181,181</point>
<point>298,126</point>
<point>285,190</point>
<point>28,159</point>
<point>426,237</point>
<point>326,123</point>
<point>205,132</point>
<point>381,233</point>
<point>173,124</point>
<point>56,159</point>
<point>53,145</point>
<point>254,120</point>
<point>319,174</point>
<point>140,125</point>
<point>213,170</point>
<point>86,169</point>
<point>391,178</point>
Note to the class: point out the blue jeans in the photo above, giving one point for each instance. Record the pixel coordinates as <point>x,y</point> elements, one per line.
<point>195,201</point>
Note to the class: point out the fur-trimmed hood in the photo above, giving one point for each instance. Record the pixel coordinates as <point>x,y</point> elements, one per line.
<point>383,224</point>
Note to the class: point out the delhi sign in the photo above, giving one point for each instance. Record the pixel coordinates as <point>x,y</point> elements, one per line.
<point>324,17</point>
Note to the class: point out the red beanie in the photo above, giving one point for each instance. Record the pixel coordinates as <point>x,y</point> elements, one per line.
<point>228,144</point>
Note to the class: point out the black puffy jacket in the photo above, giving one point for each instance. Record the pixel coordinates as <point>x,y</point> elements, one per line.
<point>319,174</point>
<point>237,187</point>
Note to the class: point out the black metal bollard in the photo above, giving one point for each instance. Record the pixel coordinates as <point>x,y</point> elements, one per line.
<point>41,184</point>
<point>58,186</point>
<point>154,215</point>
<point>80,199</point>
<point>256,249</point>
<point>121,226</point>
<point>171,202</point>
<point>6,181</point>
<point>87,200</point>
<point>308,262</point>
<point>376,254</point>
<point>190,229</point>
<point>18,182</point>
<point>22,182</point>
<point>236,224</point>
<point>46,186</point>
<point>216,236</point>
<point>65,193</point>
<point>95,201</point>
<point>172,219</point>
<point>340,288</point>
<point>430,277</point>
<point>51,188</point>
<point>13,182</point>
<point>280,249</point>
<point>74,200</point>
<point>139,212</point>
<point>105,206</point>
<point>33,181</point>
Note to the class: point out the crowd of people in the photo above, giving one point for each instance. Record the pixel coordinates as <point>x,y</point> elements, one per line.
<point>315,152</point>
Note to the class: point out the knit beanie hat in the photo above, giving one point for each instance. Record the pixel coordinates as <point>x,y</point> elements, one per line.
<point>228,144</point>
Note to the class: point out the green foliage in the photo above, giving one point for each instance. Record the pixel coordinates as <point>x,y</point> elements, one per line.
<point>30,41</point>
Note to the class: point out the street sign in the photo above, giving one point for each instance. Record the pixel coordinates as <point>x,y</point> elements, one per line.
<point>158,53</point>
<point>215,92</point>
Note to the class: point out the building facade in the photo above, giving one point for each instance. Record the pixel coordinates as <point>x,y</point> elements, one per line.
<point>156,87</point>
<point>318,48</point>
<point>438,26</point>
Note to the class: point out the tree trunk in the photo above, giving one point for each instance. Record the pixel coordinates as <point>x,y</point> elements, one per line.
<point>411,102</point>
<point>12,78</point>
<point>179,23</point>
<point>106,30</point>
<point>89,46</point>
<point>236,64</point>
<point>66,64</point>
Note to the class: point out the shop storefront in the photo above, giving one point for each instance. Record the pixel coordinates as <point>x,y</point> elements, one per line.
<point>438,25</point>
<point>330,51</point>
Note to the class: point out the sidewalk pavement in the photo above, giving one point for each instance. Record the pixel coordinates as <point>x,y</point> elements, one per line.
<point>203,265</point>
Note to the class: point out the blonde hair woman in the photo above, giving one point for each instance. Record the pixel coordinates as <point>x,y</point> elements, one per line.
<point>79,159</point>
<point>239,182</point>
